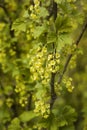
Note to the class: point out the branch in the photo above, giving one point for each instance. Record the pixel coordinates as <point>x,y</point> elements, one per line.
<point>70,56</point>
<point>53,93</point>
<point>6,12</point>
<point>9,18</point>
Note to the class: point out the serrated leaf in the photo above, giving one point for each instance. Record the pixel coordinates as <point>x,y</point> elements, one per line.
<point>63,24</point>
<point>27,116</point>
<point>69,114</point>
<point>39,30</point>
<point>19,26</point>
<point>43,12</point>
<point>26,14</point>
<point>62,40</point>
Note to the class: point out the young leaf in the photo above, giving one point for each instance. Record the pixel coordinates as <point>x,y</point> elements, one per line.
<point>62,40</point>
<point>27,116</point>
<point>39,30</point>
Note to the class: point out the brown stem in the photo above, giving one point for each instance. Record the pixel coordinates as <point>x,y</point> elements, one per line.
<point>53,93</point>
<point>70,55</point>
<point>29,102</point>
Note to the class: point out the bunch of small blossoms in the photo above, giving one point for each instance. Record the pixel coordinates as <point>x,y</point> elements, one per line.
<point>43,64</point>
<point>53,62</point>
<point>21,90</point>
<point>68,84</point>
<point>52,66</point>
<point>58,88</point>
<point>37,64</point>
<point>73,62</point>
<point>34,9</point>
<point>42,108</point>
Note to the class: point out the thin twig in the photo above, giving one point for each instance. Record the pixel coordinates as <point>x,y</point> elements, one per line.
<point>6,12</point>
<point>70,55</point>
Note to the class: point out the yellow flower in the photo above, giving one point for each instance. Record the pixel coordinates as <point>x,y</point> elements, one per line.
<point>32,69</point>
<point>70,88</point>
<point>50,57</point>
<point>58,61</point>
<point>33,16</point>
<point>35,76</point>
<point>52,62</point>
<point>31,7</point>
<point>46,116</point>
<point>36,2</point>
<point>57,55</point>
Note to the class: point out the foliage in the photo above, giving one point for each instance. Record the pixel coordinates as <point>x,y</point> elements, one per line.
<point>35,39</point>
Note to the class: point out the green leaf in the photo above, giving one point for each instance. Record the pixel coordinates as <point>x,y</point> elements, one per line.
<point>51,38</point>
<point>19,26</point>
<point>26,14</point>
<point>15,121</point>
<point>27,116</point>
<point>43,12</point>
<point>4,114</point>
<point>15,124</point>
<point>62,40</point>
<point>63,24</point>
<point>69,114</point>
<point>39,30</point>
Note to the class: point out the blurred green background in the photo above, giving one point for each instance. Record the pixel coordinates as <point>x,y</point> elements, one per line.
<point>78,99</point>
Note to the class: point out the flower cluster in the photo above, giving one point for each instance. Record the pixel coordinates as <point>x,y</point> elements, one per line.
<point>34,9</point>
<point>42,108</point>
<point>43,64</point>
<point>73,62</point>
<point>53,62</point>
<point>68,84</point>
<point>22,92</point>
<point>37,64</point>
<point>58,88</point>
